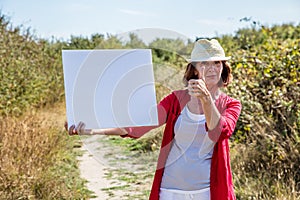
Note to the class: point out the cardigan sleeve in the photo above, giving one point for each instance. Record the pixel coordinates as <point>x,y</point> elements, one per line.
<point>163,108</point>
<point>230,111</point>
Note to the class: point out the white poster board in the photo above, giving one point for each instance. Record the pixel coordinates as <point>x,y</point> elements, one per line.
<point>109,88</point>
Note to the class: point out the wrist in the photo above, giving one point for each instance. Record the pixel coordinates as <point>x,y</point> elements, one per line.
<point>87,132</point>
<point>97,132</point>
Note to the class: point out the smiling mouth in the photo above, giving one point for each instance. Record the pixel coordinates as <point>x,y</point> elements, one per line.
<point>211,76</point>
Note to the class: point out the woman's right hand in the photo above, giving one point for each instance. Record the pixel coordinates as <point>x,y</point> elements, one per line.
<point>79,130</point>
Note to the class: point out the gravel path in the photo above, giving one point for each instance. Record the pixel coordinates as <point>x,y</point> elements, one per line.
<point>94,167</point>
<point>94,172</point>
<point>114,173</point>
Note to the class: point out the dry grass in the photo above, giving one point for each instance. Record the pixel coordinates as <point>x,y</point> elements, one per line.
<point>37,161</point>
<point>267,166</point>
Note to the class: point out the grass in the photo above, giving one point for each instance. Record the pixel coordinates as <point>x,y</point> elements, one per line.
<point>38,161</point>
<point>272,179</point>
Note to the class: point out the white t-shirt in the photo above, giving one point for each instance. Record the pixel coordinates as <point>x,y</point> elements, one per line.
<point>188,164</point>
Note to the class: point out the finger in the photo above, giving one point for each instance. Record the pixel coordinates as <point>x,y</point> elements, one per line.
<point>71,130</point>
<point>202,89</point>
<point>79,128</point>
<point>199,90</point>
<point>202,86</point>
<point>198,84</point>
<point>197,87</point>
<point>193,81</point>
<point>193,85</point>
<point>66,126</point>
<point>190,88</point>
<point>193,92</point>
<point>82,128</point>
<point>202,74</point>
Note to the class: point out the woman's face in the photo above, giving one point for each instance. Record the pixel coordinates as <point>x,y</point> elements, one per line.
<point>210,71</point>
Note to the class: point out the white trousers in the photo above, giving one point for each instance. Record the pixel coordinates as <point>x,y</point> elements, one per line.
<point>169,194</point>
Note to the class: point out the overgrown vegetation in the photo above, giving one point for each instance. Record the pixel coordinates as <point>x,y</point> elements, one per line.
<point>267,81</point>
<point>265,145</point>
<point>37,161</point>
<point>31,73</point>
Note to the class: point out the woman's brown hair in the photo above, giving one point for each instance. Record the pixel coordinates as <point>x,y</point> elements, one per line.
<point>190,73</point>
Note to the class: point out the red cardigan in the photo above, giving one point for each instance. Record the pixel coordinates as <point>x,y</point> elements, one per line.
<point>221,186</point>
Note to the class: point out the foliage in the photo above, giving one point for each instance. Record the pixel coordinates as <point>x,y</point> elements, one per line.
<point>172,51</point>
<point>265,66</point>
<point>37,160</point>
<point>31,73</point>
<point>266,142</point>
<point>97,41</point>
<point>135,42</point>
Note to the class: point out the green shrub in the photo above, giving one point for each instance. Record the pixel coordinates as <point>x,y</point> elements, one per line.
<point>266,141</point>
<point>31,72</point>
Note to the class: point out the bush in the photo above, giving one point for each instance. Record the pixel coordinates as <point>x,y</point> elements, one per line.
<point>36,158</point>
<point>31,72</point>
<point>266,142</point>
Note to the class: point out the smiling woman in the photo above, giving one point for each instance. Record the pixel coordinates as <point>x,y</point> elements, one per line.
<point>194,156</point>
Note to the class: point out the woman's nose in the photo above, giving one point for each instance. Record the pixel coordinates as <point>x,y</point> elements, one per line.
<point>210,66</point>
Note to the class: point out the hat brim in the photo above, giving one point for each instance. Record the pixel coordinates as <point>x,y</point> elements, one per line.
<point>209,59</point>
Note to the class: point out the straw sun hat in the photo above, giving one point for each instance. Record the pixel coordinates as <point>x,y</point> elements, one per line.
<point>207,50</point>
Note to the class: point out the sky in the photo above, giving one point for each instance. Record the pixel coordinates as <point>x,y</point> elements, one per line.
<point>187,18</point>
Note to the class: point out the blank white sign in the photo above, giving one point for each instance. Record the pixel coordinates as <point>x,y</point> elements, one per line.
<point>109,88</point>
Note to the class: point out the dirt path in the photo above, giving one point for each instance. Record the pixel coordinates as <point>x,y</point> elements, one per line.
<point>93,171</point>
<point>115,173</point>
<point>95,168</point>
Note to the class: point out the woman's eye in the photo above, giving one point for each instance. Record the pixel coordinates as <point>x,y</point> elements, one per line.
<point>218,63</point>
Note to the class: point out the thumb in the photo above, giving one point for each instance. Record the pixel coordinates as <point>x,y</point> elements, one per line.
<point>66,126</point>
<point>202,74</point>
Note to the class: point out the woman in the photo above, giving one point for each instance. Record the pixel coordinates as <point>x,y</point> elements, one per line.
<point>194,156</point>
